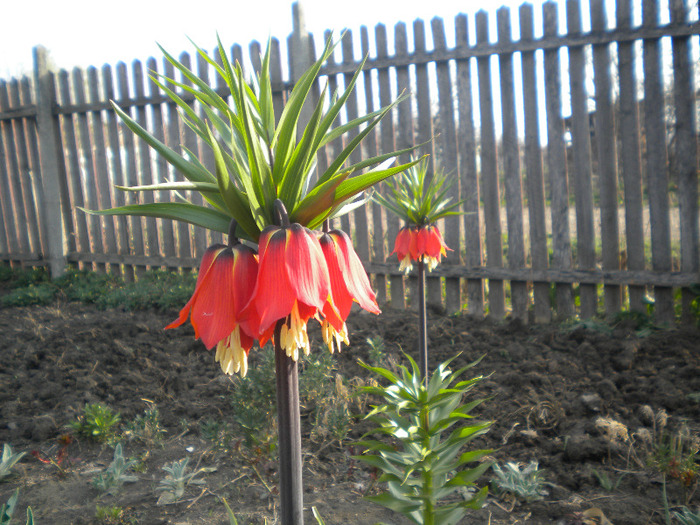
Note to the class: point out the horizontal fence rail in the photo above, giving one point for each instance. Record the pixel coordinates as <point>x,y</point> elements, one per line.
<point>575,152</point>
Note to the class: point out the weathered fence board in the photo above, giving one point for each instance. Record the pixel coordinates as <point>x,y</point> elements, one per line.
<point>556,165</point>
<point>469,176</point>
<point>511,170</point>
<point>685,161</point>
<point>607,158</point>
<point>534,176</point>
<point>464,102</point>
<point>657,163</point>
<point>630,156</point>
<point>581,170</point>
<point>490,186</point>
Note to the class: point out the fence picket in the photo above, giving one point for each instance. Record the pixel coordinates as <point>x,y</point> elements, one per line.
<point>607,159</point>
<point>160,167</point>
<point>657,163</point>
<point>143,153</point>
<point>89,179</point>
<point>489,173</point>
<point>468,172</point>
<point>534,176</point>
<point>377,232</point>
<point>24,180</point>
<point>174,142</point>
<point>81,242</point>
<point>130,170</point>
<point>425,134</point>
<point>116,172</point>
<point>580,151</point>
<point>630,156</point>
<point>386,138</point>
<point>448,162</point>
<point>18,212</point>
<point>685,161</point>
<point>511,170</point>
<point>556,165</point>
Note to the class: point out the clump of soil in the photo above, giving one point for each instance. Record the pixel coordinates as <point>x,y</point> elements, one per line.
<point>583,401</point>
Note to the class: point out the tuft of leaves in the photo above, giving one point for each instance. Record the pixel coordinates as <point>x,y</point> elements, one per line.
<point>417,198</point>
<point>424,461</point>
<point>257,157</point>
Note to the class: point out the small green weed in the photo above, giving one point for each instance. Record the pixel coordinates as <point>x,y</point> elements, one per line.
<point>687,517</point>
<point>8,460</point>
<point>172,487</point>
<point>7,511</point>
<point>98,422</point>
<point>114,476</point>
<point>526,484</point>
<point>146,427</point>
<point>606,482</point>
<point>112,515</point>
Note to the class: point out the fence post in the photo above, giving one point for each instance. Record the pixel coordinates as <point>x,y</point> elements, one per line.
<point>49,154</point>
<point>300,56</point>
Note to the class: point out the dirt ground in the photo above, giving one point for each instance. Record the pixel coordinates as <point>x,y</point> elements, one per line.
<point>569,397</point>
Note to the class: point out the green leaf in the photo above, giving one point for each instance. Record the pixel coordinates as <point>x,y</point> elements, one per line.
<point>180,211</point>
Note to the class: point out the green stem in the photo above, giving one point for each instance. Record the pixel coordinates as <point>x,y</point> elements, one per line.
<point>428,510</point>
<point>422,323</point>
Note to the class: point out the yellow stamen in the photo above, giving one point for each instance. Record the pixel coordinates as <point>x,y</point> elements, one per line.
<point>231,355</point>
<point>332,337</point>
<point>293,335</point>
<point>406,265</point>
<point>430,262</point>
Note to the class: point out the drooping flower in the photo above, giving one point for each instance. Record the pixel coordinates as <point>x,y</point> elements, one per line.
<point>421,201</point>
<point>414,243</point>
<point>293,285</point>
<point>431,245</point>
<point>406,248</point>
<point>349,283</point>
<point>224,286</point>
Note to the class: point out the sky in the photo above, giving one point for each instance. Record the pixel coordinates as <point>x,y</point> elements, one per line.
<point>96,32</point>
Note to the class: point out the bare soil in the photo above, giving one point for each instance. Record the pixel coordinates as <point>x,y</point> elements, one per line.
<point>556,396</point>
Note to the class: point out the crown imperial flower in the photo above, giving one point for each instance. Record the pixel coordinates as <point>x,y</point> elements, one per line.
<point>349,283</point>
<point>293,284</point>
<point>224,286</point>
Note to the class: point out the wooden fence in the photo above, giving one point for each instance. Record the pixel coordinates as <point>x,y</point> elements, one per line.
<point>561,218</point>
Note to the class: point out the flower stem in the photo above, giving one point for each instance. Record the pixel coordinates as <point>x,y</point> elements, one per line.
<point>289,423</point>
<point>422,322</point>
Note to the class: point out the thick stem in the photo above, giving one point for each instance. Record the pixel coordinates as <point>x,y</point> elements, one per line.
<point>232,238</point>
<point>281,213</point>
<point>289,423</point>
<point>422,322</point>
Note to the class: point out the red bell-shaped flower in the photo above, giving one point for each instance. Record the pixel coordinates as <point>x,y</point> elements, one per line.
<point>225,284</point>
<point>416,242</point>
<point>349,282</point>
<point>431,245</point>
<point>293,284</point>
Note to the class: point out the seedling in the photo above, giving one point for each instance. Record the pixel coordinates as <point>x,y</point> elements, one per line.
<point>526,484</point>
<point>420,466</point>
<point>114,476</point>
<point>8,460</point>
<point>98,422</point>
<point>7,510</point>
<point>174,484</point>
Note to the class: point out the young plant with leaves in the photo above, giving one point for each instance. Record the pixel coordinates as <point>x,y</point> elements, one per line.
<point>276,273</point>
<point>420,200</point>
<point>420,465</point>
